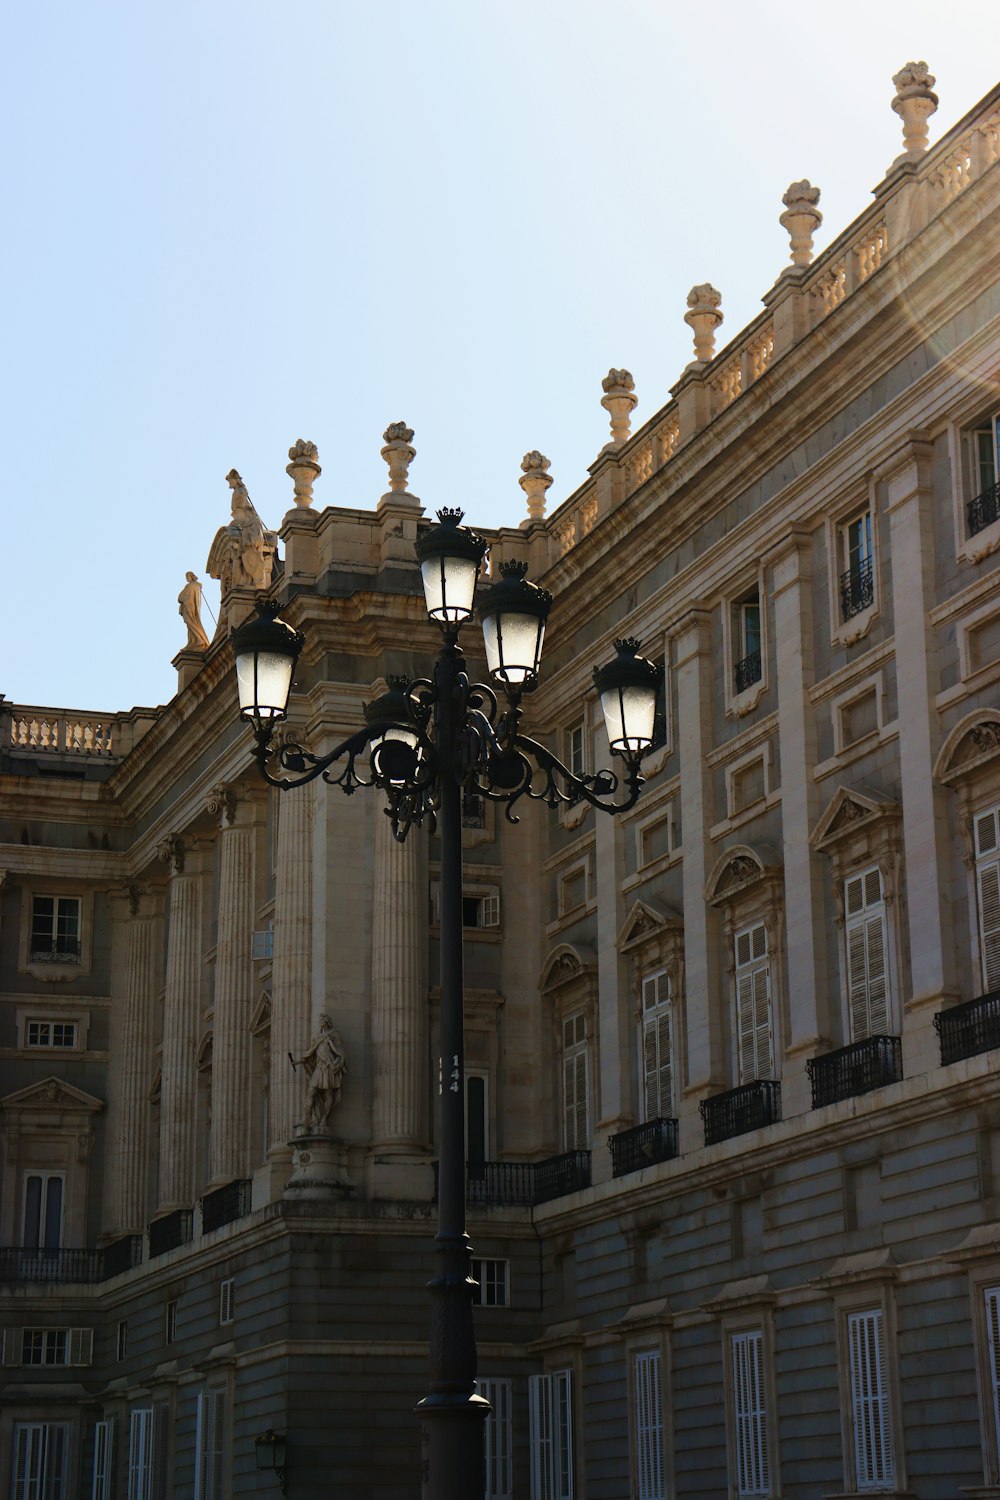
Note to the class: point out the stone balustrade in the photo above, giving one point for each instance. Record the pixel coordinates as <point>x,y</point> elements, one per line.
<point>32,729</point>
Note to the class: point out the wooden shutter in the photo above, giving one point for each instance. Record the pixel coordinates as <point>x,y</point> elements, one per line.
<point>988,885</point>
<point>140,1452</point>
<point>867,955</point>
<point>104,1442</point>
<point>497,1438</point>
<point>657,1049</point>
<point>750,1413</point>
<point>80,1346</point>
<point>576,1104</point>
<point>753,1003</point>
<point>648,1426</point>
<point>992,1296</point>
<point>551,1435</point>
<point>872,1418</point>
<point>161,1442</point>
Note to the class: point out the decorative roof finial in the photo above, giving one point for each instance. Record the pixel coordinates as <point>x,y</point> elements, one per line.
<point>914,102</point>
<point>618,400</point>
<point>801,218</point>
<point>303,469</point>
<point>399,454</point>
<point>535,480</point>
<point>703,316</point>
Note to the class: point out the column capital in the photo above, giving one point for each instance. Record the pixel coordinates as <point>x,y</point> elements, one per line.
<point>176,849</point>
<point>231,803</point>
<point>141,900</point>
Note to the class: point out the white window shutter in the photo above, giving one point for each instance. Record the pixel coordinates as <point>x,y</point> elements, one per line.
<point>988,880</point>
<point>992,1295</point>
<point>750,1414</point>
<point>563,1448</point>
<point>987,840</point>
<point>218,1400</point>
<point>867,955</point>
<point>550,1435</point>
<point>872,1419</point>
<point>576,1110</point>
<point>648,1421</point>
<point>139,1456</point>
<point>160,1445</point>
<point>104,1442</point>
<point>201,1447</point>
<point>753,1004</point>
<point>81,1346</point>
<point>497,1439</point>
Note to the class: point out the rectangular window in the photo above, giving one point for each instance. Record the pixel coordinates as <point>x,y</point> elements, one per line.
<point>481,911</point>
<point>871,1415</point>
<point>988,888</point>
<point>44,1346</point>
<point>104,1444</point>
<point>857,580</point>
<point>209,1445</point>
<point>140,1453</point>
<point>576,1103</point>
<point>51,1034</point>
<point>498,1439</point>
<point>550,1435</point>
<point>41,1220</point>
<point>122,1339</point>
<point>41,1450</point>
<point>55,929</point>
<point>747,661</point>
<point>749,1413</point>
<point>575,747</point>
<point>657,1047</point>
<point>984,504</point>
<point>262,945</point>
<point>227,1300</point>
<point>647,1426</point>
<point>170,1331</point>
<point>492,1278</point>
<point>753,1003</point>
<point>867,966</point>
<point>473,810</point>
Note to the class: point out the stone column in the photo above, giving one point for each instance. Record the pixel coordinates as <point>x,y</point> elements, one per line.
<point>705,996</point>
<point>805,929</point>
<point>135,981</point>
<point>291,972</point>
<point>234,980</point>
<point>925,812</point>
<point>187,859</point>
<point>400,1042</point>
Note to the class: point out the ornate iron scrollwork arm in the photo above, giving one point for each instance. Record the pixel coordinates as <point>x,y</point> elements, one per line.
<point>303,766</point>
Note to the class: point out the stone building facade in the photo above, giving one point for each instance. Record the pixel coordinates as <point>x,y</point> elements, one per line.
<point>733,1108</point>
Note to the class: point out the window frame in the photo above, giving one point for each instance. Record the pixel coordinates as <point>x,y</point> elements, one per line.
<point>859,1297</point>
<point>746,591</point>
<point>42,1482</point>
<point>45,1177</point>
<point>966,481</point>
<point>761,963</point>
<point>555,1479</point>
<point>650,1471</point>
<point>860,921</point>
<point>498,1435</point>
<point>139,1477</point>
<point>479,1265</point>
<point>211,1448</point>
<point>580,1049</point>
<point>844,631</point>
<point>47,968</point>
<point>104,1457</point>
<point>662,1008</point>
<point>990,860</point>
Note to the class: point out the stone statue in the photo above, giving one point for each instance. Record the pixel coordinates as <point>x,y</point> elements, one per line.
<point>326,1063</point>
<point>189,609</point>
<point>252,546</point>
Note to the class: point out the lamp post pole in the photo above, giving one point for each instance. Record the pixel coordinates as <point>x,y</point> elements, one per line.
<point>426,741</point>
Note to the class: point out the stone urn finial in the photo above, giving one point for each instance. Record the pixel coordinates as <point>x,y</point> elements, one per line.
<point>914,102</point>
<point>703,316</point>
<point>399,454</point>
<point>618,400</point>
<point>535,480</point>
<point>801,218</point>
<point>303,469</point>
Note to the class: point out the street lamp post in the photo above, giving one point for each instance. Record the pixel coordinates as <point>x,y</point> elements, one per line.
<point>427,741</point>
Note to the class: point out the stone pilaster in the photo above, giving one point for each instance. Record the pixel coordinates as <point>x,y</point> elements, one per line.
<point>291,975</point>
<point>400,1043</point>
<point>809,1022</point>
<point>181,1018</point>
<point>925,814</point>
<point>136,980</point>
<point>705,995</point>
<point>233,986</point>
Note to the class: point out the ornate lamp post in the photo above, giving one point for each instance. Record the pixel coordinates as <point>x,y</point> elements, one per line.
<point>426,742</point>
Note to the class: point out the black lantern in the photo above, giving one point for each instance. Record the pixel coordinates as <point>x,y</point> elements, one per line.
<point>266,650</point>
<point>627,688</point>
<point>450,556</point>
<point>269,1449</point>
<point>513,612</point>
<point>394,739</point>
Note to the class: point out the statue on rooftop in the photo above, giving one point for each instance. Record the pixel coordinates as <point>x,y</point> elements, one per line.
<point>189,609</point>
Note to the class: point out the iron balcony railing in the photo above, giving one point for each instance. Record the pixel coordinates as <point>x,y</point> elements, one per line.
<point>853,1070</point>
<point>122,1255</point>
<point>857,588</point>
<point>968,1029</point>
<point>63,954</point>
<point>170,1232</point>
<point>66,1266</point>
<point>747,671</point>
<point>740,1110</point>
<point>984,509</point>
<point>527,1181</point>
<point>225,1204</point>
<point>631,1150</point>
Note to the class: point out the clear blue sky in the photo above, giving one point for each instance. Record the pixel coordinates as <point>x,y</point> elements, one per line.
<point>231,223</point>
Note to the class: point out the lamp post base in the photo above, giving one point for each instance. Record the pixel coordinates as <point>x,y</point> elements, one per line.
<point>452,1453</point>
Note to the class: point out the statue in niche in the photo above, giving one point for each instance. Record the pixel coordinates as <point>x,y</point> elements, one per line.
<point>325,1062</point>
<point>189,609</point>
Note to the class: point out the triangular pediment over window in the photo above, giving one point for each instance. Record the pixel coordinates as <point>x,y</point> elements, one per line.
<point>972,744</point>
<point>643,922</point>
<point>848,811</point>
<point>52,1093</point>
